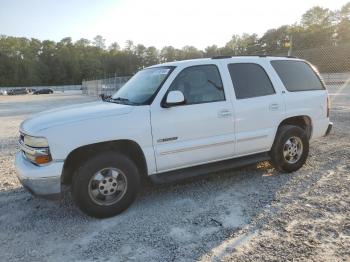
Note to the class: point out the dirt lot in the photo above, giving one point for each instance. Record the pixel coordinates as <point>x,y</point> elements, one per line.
<point>250,214</point>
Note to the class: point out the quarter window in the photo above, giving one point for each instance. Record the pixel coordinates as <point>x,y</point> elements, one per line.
<point>297,75</point>
<point>199,84</point>
<point>250,80</point>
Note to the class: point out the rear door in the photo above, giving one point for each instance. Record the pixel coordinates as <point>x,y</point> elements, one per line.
<point>258,106</point>
<point>305,93</point>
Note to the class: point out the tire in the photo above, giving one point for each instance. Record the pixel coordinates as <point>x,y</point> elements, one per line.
<point>286,144</point>
<point>91,175</point>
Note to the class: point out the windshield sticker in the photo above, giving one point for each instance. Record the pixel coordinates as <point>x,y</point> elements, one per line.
<point>163,71</point>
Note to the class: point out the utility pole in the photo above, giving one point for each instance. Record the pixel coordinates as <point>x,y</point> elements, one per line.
<point>290,45</point>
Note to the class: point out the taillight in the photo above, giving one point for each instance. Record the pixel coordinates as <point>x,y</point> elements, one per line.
<point>328,106</point>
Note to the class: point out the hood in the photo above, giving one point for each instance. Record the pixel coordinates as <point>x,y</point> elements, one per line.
<point>71,114</point>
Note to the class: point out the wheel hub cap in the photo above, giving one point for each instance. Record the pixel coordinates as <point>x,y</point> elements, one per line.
<point>292,150</point>
<point>107,186</point>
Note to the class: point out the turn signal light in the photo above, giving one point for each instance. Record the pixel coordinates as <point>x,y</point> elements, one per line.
<point>43,159</point>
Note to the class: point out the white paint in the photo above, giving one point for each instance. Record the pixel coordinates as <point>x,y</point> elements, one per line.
<point>202,134</point>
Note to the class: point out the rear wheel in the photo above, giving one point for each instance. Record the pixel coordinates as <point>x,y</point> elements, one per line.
<point>106,184</point>
<point>290,149</point>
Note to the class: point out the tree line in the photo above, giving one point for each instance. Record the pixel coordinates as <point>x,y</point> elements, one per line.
<point>25,62</point>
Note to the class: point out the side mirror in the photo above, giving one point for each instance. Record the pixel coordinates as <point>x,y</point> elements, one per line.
<point>174,98</point>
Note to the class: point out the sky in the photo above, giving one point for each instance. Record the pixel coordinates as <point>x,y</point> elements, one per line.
<point>151,22</point>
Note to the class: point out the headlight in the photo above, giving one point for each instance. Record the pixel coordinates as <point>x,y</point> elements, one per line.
<point>36,149</point>
<point>33,141</point>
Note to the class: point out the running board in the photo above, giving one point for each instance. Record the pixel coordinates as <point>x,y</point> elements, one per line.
<point>171,176</point>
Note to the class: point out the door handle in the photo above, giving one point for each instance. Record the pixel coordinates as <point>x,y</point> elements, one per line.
<point>274,106</point>
<point>225,113</point>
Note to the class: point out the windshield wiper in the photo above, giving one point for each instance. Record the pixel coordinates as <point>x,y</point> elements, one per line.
<point>121,100</point>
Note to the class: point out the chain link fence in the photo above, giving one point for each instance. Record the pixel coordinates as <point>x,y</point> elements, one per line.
<point>105,87</point>
<point>333,63</point>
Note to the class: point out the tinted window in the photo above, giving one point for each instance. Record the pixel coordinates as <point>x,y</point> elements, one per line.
<point>297,75</point>
<point>250,80</point>
<point>199,84</point>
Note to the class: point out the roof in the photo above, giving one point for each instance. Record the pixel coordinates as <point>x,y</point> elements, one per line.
<point>225,58</point>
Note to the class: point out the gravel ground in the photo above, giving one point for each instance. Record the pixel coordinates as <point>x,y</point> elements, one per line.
<point>249,214</point>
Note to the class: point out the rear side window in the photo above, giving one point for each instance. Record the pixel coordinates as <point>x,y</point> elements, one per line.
<point>250,80</point>
<point>297,75</point>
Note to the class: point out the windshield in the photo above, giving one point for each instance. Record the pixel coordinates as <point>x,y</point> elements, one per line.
<point>142,87</point>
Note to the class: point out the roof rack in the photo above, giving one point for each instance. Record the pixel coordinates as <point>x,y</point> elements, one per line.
<point>261,55</point>
<point>221,57</point>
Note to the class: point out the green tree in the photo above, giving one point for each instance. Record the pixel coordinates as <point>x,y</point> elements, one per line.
<point>114,47</point>
<point>343,26</point>
<point>190,52</point>
<point>211,51</point>
<point>274,41</point>
<point>99,42</point>
<point>316,28</point>
<point>168,54</point>
<point>151,56</point>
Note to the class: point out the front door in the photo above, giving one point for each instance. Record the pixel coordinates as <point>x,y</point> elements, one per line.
<point>200,131</point>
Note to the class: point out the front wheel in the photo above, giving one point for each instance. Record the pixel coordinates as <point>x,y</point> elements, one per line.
<point>105,184</point>
<point>290,149</point>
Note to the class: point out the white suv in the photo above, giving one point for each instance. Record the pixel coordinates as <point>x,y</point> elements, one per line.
<point>175,120</point>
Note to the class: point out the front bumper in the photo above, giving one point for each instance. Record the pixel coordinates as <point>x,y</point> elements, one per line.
<point>39,180</point>
<point>329,129</point>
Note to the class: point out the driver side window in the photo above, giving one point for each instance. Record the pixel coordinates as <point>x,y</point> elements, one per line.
<point>199,84</point>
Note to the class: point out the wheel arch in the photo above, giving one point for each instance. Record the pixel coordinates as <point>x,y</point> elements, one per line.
<point>128,147</point>
<point>302,121</point>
